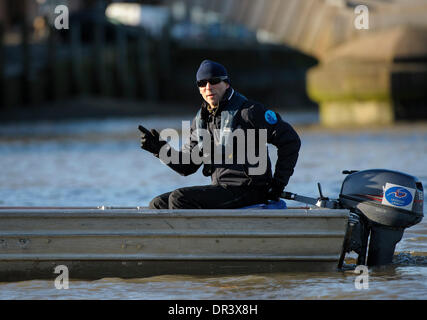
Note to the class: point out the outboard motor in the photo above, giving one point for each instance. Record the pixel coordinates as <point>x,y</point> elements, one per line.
<point>383,203</point>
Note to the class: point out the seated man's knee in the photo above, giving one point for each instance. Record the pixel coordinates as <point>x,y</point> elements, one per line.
<point>179,200</point>
<point>158,203</point>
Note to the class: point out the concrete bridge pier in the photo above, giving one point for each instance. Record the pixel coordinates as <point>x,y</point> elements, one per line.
<point>373,80</point>
<point>365,77</point>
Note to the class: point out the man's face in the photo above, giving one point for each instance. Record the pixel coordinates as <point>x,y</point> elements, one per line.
<point>213,93</point>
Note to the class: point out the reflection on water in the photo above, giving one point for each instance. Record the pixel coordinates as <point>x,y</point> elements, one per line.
<point>396,282</point>
<point>94,163</point>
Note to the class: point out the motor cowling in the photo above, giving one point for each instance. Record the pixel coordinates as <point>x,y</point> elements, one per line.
<point>386,197</point>
<point>387,202</point>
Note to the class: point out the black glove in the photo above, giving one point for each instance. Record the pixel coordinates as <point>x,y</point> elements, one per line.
<point>275,191</point>
<point>150,140</point>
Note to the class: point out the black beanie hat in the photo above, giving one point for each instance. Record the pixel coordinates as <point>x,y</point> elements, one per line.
<point>209,69</point>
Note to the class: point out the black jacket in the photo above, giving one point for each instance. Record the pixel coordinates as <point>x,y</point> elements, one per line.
<point>251,115</point>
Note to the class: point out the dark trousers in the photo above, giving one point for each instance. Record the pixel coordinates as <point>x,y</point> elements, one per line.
<point>210,197</point>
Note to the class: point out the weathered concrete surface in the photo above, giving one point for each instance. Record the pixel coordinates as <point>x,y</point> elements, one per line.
<point>313,26</point>
<point>373,80</point>
<point>373,76</point>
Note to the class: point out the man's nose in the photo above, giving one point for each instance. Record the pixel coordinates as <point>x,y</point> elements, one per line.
<point>208,85</point>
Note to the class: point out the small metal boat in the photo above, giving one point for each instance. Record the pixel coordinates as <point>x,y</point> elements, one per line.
<point>95,243</point>
<point>375,205</point>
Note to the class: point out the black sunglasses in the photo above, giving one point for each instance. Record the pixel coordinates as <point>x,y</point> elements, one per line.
<point>212,81</point>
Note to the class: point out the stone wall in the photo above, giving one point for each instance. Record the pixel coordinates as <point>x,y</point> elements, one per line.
<point>365,77</point>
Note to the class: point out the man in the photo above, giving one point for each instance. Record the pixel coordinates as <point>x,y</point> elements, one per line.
<point>234,184</point>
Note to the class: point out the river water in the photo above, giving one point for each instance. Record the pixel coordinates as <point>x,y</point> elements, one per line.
<point>99,162</point>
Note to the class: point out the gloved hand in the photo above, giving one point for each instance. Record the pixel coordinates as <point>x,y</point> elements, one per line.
<point>150,140</point>
<point>275,190</point>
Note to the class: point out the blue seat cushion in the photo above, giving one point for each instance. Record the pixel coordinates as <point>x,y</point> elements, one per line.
<point>271,205</point>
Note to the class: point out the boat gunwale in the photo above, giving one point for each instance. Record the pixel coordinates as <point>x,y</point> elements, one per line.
<point>170,214</point>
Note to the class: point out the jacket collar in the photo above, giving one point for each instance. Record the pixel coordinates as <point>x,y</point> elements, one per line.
<point>228,95</point>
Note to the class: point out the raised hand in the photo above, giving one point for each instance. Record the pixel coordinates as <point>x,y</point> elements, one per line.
<point>150,140</point>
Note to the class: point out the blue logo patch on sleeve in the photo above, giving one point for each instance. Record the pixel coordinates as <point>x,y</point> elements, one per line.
<point>270,117</point>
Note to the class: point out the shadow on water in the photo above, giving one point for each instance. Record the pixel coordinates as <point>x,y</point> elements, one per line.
<point>389,282</point>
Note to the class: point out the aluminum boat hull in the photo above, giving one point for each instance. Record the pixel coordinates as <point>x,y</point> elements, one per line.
<point>96,243</point>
